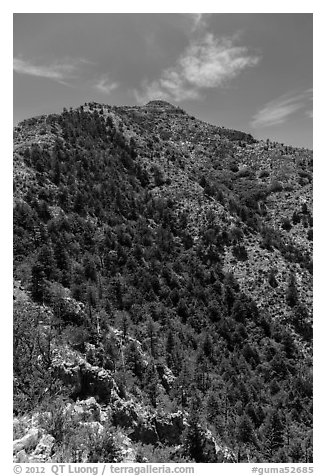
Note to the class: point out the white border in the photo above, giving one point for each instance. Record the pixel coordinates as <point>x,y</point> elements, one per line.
<point>59,6</point>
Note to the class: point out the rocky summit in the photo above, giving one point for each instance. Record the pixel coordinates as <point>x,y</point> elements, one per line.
<point>162,290</point>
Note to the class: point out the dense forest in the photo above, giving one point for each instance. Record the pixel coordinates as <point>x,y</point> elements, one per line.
<point>153,249</point>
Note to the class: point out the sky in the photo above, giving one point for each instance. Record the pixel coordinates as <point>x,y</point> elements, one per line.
<point>252,72</point>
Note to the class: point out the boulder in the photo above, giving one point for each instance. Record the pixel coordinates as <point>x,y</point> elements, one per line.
<point>86,410</point>
<point>124,443</point>
<point>21,457</point>
<point>27,442</point>
<point>166,376</point>
<point>44,448</point>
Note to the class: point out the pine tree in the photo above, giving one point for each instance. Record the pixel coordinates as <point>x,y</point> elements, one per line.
<point>181,386</point>
<point>244,430</point>
<point>272,278</point>
<point>134,359</point>
<point>151,382</point>
<point>170,349</point>
<point>273,433</point>
<point>292,293</point>
<point>46,259</point>
<point>151,331</point>
<point>193,438</point>
<point>123,322</point>
<point>202,371</point>
<point>38,283</point>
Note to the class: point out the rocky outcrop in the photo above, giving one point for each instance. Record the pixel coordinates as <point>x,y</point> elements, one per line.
<point>34,447</point>
<point>166,376</point>
<point>130,418</point>
<point>124,414</point>
<point>44,448</point>
<point>86,411</point>
<point>170,427</point>
<point>152,428</point>
<point>139,422</point>
<point>85,379</point>
<point>27,442</point>
<point>215,452</point>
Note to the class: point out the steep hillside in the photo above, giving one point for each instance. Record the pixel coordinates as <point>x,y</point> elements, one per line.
<point>168,262</point>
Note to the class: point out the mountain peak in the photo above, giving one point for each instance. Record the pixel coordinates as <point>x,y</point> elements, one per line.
<point>159,103</point>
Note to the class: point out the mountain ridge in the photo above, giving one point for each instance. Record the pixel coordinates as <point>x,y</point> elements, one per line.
<point>154,219</point>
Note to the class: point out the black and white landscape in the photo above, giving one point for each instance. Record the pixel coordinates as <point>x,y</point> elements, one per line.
<point>163,233</point>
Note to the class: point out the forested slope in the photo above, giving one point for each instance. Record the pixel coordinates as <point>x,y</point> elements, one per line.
<point>162,266</point>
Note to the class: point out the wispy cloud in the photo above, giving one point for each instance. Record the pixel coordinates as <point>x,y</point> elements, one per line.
<point>57,71</point>
<point>198,20</point>
<point>208,62</point>
<point>281,109</point>
<point>104,85</point>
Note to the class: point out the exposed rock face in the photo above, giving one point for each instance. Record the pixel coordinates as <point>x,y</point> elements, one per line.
<point>27,442</point>
<point>42,446</point>
<point>166,376</point>
<point>124,414</point>
<point>127,451</point>
<point>145,432</point>
<point>86,411</point>
<point>21,457</point>
<point>214,451</point>
<point>170,428</point>
<point>84,378</point>
<point>142,426</point>
<point>167,429</point>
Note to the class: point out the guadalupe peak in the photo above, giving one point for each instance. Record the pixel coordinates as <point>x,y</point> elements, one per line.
<point>164,106</point>
<point>161,103</point>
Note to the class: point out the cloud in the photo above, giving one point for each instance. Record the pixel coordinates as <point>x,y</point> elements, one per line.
<point>56,71</point>
<point>104,85</point>
<point>207,63</point>
<point>279,110</point>
<point>198,20</point>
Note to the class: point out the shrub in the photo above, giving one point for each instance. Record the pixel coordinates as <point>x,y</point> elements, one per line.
<point>292,293</point>
<point>296,218</point>
<point>275,186</point>
<point>272,278</point>
<point>240,252</point>
<point>264,173</point>
<point>286,224</point>
<point>75,441</point>
<point>246,172</point>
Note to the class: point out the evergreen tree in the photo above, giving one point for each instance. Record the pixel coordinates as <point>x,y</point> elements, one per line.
<point>193,438</point>
<point>169,349</point>
<point>47,261</point>
<point>134,359</point>
<point>272,278</point>
<point>273,433</point>
<point>38,283</point>
<point>123,322</point>
<point>151,382</point>
<point>292,293</point>
<point>151,331</point>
